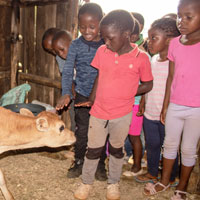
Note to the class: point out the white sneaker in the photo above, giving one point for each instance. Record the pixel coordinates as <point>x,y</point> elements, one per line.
<point>130,173</point>
<point>82,191</point>
<point>113,192</point>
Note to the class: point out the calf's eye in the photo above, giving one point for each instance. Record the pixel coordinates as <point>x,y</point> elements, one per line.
<point>62,128</point>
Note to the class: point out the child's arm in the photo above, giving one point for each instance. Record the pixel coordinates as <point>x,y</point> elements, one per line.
<point>167,92</point>
<point>141,106</point>
<point>67,78</point>
<point>144,87</point>
<point>92,96</point>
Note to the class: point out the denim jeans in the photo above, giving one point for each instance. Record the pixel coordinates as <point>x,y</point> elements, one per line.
<point>154,132</point>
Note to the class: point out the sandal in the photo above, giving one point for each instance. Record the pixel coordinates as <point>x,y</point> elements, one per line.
<point>149,189</point>
<point>145,179</point>
<point>178,195</point>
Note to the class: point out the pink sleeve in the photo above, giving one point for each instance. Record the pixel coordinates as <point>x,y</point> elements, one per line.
<point>145,68</point>
<point>96,61</point>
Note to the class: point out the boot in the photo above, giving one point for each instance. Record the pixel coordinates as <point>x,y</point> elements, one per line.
<point>101,174</point>
<point>76,169</point>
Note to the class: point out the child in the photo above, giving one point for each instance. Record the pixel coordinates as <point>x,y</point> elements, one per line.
<point>120,66</point>
<point>80,54</point>
<point>140,41</point>
<point>47,45</point>
<point>60,44</point>
<point>159,35</point>
<point>182,100</point>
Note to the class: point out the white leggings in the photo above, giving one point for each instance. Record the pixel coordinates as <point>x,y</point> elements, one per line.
<point>182,125</point>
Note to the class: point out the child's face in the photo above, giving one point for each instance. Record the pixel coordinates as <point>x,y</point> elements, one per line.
<point>89,27</point>
<point>134,38</point>
<point>114,39</point>
<point>61,48</point>
<point>157,41</point>
<point>47,44</point>
<point>188,19</point>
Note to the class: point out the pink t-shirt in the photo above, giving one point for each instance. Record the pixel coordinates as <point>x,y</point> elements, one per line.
<point>185,89</point>
<point>154,98</point>
<point>118,81</point>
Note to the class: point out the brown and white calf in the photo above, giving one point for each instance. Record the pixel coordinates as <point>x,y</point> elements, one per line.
<point>24,130</point>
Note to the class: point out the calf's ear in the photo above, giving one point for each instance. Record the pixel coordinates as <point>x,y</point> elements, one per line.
<point>42,124</point>
<point>26,112</point>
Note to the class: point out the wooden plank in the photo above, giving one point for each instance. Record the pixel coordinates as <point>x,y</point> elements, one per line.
<point>40,80</point>
<point>14,44</point>
<point>72,19</point>
<point>24,3</point>
<point>5,52</point>
<point>4,75</point>
<point>28,33</point>
<point>46,18</point>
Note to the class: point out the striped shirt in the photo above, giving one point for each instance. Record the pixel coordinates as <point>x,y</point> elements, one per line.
<point>154,99</point>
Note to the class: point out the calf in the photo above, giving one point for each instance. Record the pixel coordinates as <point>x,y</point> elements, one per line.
<point>24,130</point>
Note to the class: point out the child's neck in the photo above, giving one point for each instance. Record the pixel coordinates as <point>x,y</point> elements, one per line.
<point>126,49</point>
<point>162,56</point>
<point>191,38</point>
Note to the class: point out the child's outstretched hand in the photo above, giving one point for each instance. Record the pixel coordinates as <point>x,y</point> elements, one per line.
<point>84,104</point>
<point>63,101</point>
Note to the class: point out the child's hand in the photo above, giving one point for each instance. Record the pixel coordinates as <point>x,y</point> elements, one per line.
<point>141,107</point>
<point>163,116</point>
<point>84,104</point>
<point>140,112</point>
<point>63,101</point>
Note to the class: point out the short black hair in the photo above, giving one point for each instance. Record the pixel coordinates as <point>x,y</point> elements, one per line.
<point>91,8</point>
<point>170,15</point>
<point>50,32</point>
<point>168,25</point>
<point>62,34</point>
<point>189,1</point>
<point>136,30</point>
<point>139,17</point>
<point>121,19</point>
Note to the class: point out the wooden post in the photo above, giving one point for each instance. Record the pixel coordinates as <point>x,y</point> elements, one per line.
<point>72,25</point>
<point>14,44</point>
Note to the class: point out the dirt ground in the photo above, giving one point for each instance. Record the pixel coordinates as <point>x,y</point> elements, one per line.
<point>33,175</point>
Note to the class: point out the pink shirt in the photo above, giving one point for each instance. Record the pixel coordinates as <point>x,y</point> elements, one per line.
<point>185,89</point>
<point>118,81</point>
<point>154,98</point>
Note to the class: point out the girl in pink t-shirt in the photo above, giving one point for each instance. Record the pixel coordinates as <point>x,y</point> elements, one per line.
<point>181,107</point>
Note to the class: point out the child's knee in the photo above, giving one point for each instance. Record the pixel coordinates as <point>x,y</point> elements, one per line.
<point>188,157</point>
<point>94,153</point>
<point>116,152</point>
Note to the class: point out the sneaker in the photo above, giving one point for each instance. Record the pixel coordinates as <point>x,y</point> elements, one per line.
<point>75,170</point>
<point>130,173</point>
<point>101,174</point>
<point>82,191</point>
<point>113,192</point>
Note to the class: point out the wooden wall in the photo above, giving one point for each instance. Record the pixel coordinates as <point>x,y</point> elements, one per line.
<point>22,58</point>
<point>5,50</point>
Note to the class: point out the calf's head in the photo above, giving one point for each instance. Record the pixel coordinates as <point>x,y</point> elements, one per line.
<point>51,129</point>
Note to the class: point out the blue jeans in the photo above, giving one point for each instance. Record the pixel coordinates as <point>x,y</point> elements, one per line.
<point>154,132</point>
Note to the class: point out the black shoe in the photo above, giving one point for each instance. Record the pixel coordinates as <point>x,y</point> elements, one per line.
<point>101,174</point>
<point>75,170</point>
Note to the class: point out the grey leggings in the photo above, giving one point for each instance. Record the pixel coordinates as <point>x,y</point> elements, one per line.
<point>182,126</point>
